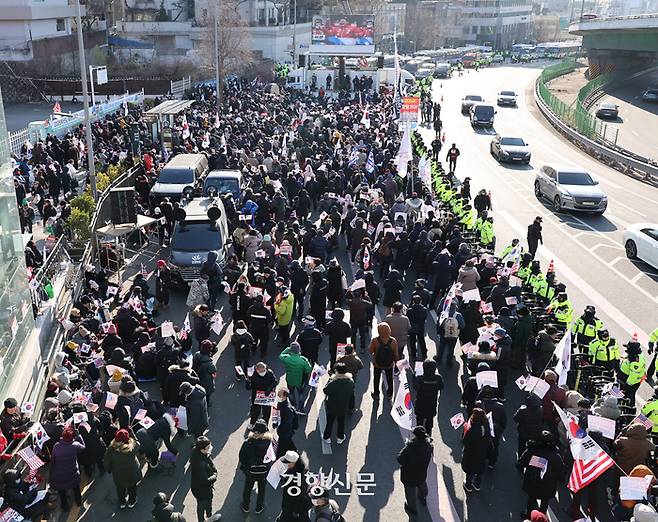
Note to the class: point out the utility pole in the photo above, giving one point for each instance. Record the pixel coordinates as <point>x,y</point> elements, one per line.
<point>294,35</point>
<point>219,107</point>
<point>91,168</point>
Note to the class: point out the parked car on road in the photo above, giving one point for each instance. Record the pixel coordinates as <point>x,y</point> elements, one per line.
<point>570,188</point>
<point>641,242</point>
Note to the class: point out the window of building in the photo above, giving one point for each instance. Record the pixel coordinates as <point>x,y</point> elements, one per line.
<point>61,24</point>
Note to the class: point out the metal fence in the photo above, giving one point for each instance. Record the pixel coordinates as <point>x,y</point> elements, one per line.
<point>17,139</point>
<point>576,116</point>
<point>178,87</point>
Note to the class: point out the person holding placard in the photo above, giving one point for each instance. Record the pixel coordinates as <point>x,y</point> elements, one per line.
<point>498,418</point>
<point>122,462</point>
<point>529,420</point>
<point>263,380</point>
<point>543,470</point>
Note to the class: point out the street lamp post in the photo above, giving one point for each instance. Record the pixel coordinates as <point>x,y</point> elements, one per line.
<point>91,168</point>
<point>294,35</point>
<point>219,108</point>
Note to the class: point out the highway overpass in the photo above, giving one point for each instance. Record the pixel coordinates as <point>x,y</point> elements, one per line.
<point>624,42</point>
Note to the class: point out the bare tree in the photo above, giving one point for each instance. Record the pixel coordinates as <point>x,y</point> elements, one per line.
<point>226,44</point>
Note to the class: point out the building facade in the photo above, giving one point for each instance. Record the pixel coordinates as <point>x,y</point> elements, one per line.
<point>497,23</point>
<point>17,355</point>
<point>44,31</point>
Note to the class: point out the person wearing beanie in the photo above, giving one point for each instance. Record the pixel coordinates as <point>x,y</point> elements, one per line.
<point>132,399</point>
<point>427,388</point>
<point>414,459</point>
<point>121,460</point>
<point>353,364</point>
<point>298,368</point>
<point>324,508</point>
<point>164,510</point>
<point>162,283</point>
<point>204,367</point>
<point>178,374</point>
<point>338,394</point>
<point>111,340</point>
<point>338,331</point>
<point>251,457</point>
<point>263,380</point>
<point>296,501</point>
<point>64,470</point>
<point>12,422</point>
<point>540,483</point>
<point>203,477</point>
<point>310,339</point>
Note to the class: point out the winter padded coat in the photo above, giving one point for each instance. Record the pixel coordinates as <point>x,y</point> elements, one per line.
<point>297,366</point>
<point>122,462</point>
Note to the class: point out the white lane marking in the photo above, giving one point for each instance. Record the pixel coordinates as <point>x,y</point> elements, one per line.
<point>630,208</point>
<point>612,311</point>
<point>616,220</point>
<point>615,261</point>
<point>322,420</point>
<point>599,245</point>
<point>637,277</point>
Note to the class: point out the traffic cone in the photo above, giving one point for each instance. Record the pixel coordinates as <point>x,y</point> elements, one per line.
<point>551,267</point>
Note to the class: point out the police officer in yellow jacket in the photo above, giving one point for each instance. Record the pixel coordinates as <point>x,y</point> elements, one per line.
<point>650,410</point>
<point>632,371</point>
<point>524,267</point>
<point>562,309</point>
<point>604,350</point>
<point>534,274</point>
<point>487,237</point>
<point>586,326</point>
<point>653,338</point>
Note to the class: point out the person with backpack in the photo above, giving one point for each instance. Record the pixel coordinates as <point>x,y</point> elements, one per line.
<point>384,350</point>
<point>252,455</point>
<point>414,460</point>
<point>243,344</point>
<point>448,331</point>
<point>324,508</point>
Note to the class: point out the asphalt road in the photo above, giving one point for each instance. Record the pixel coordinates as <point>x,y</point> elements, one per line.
<point>588,257</point>
<point>19,115</point>
<point>637,123</point>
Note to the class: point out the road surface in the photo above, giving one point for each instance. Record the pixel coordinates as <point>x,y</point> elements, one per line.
<point>638,120</point>
<point>588,258</point>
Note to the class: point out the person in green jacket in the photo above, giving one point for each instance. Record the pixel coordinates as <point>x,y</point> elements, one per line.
<point>297,369</point>
<point>284,304</point>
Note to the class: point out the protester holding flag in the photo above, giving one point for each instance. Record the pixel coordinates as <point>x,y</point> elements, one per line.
<point>543,470</point>
<point>162,283</point>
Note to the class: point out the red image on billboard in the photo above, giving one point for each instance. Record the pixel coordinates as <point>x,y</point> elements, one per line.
<point>343,34</point>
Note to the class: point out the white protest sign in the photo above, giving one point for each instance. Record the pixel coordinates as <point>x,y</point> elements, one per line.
<point>521,382</point>
<point>167,329</point>
<point>471,295</point>
<point>181,418</point>
<point>606,426</point>
<point>511,300</point>
<point>632,488</point>
<point>274,475</point>
<point>418,368</point>
<point>359,283</point>
<point>537,386</point>
<point>263,399</point>
<point>111,400</point>
<point>487,378</point>
<point>239,371</point>
<point>403,364</point>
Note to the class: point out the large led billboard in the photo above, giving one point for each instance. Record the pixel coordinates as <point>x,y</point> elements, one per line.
<point>343,35</point>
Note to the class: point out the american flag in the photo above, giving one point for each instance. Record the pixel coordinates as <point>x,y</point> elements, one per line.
<point>29,457</point>
<point>586,471</point>
<point>539,462</point>
<point>648,423</point>
<point>590,461</point>
<point>144,271</point>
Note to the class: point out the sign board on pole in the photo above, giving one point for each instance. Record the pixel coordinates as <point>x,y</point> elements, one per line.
<point>101,75</point>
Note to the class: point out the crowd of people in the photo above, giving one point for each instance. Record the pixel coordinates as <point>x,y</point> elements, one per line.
<point>326,183</point>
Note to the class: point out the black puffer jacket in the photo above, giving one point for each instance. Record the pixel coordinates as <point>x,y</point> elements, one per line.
<point>529,418</point>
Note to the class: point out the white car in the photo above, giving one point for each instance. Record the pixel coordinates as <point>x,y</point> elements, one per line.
<point>641,242</point>
<point>507,98</point>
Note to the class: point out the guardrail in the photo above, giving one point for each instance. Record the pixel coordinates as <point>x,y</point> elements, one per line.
<point>613,158</point>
